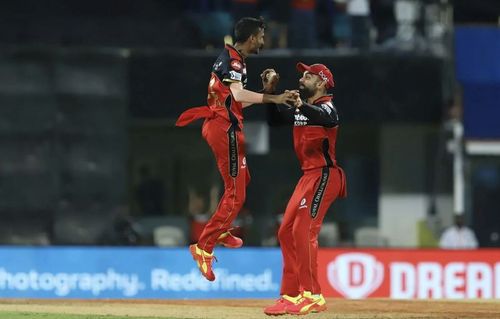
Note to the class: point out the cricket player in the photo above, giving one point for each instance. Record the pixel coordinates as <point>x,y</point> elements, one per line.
<point>316,124</point>
<point>223,131</point>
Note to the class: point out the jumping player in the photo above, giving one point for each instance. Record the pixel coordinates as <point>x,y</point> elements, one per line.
<point>223,131</point>
<point>316,122</point>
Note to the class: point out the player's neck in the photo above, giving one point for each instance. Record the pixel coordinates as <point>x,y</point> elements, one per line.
<point>316,96</point>
<point>242,48</point>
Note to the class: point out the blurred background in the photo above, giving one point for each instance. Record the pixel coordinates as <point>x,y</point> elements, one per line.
<point>90,90</point>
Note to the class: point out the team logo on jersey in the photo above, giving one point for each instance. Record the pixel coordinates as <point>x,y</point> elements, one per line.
<point>244,162</point>
<point>303,203</point>
<point>236,65</point>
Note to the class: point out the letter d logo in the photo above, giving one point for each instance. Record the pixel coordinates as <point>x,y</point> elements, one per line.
<point>355,275</point>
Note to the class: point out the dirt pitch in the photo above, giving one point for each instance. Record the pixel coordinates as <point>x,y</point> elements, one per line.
<point>252,308</point>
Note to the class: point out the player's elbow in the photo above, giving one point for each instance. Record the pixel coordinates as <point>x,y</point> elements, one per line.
<point>238,95</point>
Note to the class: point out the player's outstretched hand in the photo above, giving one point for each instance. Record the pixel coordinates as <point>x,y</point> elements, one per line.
<point>270,80</point>
<point>297,100</point>
<point>288,97</point>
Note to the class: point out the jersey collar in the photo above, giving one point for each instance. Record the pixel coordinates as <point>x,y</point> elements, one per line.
<point>230,47</point>
<point>324,98</point>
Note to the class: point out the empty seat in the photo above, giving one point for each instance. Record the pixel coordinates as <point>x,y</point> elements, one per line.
<point>369,237</point>
<point>169,236</point>
<point>329,235</point>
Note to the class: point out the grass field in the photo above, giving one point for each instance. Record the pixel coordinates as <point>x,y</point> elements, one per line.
<point>241,309</point>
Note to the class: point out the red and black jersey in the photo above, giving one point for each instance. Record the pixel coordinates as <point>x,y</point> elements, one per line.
<point>314,132</point>
<point>228,68</point>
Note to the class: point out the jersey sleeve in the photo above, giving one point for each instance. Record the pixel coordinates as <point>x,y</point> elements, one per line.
<point>232,70</point>
<point>323,114</point>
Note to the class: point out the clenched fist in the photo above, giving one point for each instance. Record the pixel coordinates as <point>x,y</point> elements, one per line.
<point>270,80</point>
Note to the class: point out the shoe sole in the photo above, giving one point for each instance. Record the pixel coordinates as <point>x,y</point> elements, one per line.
<point>231,246</point>
<point>314,310</point>
<point>275,313</point>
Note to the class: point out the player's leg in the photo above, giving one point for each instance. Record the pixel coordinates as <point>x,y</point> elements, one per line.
<point>290,280</point>
<point>323,188</point>
<point>290,287</point>
<point>228,148</point>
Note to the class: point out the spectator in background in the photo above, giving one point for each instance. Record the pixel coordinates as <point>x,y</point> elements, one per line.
<point>244,8</point>
<point>149,193</point>
<point>242,223</point>
<point>458,236</point>
<point>123,230</point>
<point>359,14</point>
<point>303,33</point>
<point>199,213</point>
<point>278,15</point>
<point>358,22</point>
<point>340,24</point>
<point>382,17</point>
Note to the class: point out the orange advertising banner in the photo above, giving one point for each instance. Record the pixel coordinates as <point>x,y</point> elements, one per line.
<point>410,274</point>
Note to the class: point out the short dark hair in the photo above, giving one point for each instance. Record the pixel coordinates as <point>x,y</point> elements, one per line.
<point>246,27</point>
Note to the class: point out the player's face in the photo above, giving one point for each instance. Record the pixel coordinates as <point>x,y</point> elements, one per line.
<point>257,42</point>
<point>308,85</point>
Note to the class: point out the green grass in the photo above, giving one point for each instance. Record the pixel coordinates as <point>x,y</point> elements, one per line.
<point>38,315</point>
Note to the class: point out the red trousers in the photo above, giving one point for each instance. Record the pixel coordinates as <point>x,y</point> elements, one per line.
<point>298,233</point>
<point>228,145</point>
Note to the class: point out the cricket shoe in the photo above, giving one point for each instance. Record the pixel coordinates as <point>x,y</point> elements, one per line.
<point>279,308</point>
<point>307,304</point>
<point>229,240</point>
<point>203,261</point>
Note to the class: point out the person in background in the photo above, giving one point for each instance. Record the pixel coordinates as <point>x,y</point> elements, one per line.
<point>303,33</point>
<point>199,213</point>
<point>149,193</point>
<point>244,8</point>
<point>458,236</point>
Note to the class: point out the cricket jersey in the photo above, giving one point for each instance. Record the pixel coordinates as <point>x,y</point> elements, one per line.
<point>229,67</point>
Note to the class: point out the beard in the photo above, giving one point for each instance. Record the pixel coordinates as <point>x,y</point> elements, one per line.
<point>305,92</point>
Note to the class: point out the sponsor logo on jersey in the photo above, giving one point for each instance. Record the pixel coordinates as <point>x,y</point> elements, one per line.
<point>233,152</point>
<point>217,65</point>
<point>327,107</point>
<point>236,65</point>
<point>303,203</point>
<point>300,119</point>
<point>233,75</point>
<point>323,76</point>
<point>318,196</point>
